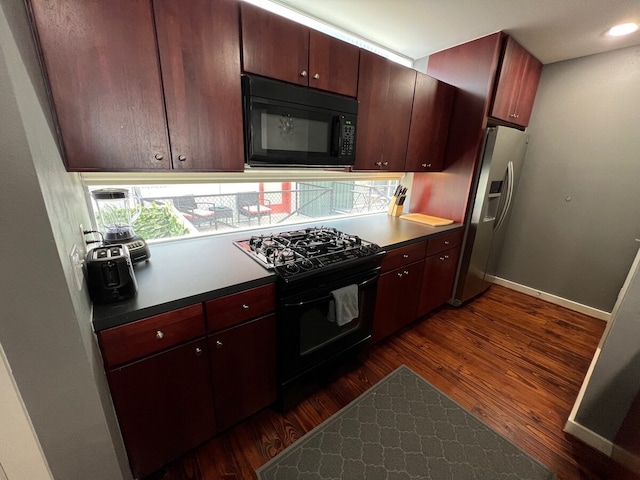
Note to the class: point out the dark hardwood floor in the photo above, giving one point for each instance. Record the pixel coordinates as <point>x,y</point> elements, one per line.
<point>515,361</point>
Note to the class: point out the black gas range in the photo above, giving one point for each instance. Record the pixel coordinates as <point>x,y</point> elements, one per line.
<point>304,253</point>
<point>321,273</point>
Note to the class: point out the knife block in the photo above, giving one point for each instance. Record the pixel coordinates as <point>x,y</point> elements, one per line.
<point>395,210</point>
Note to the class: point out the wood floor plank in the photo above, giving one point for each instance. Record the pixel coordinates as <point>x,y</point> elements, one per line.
<point>515,361</point>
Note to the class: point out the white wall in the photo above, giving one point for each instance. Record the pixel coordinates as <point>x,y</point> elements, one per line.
<point>614,379</point>
<point>45,326</point>
<point>576,214</point>
<point>20,458</point>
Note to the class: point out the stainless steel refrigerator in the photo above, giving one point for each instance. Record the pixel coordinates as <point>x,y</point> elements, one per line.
<point>495,184</point>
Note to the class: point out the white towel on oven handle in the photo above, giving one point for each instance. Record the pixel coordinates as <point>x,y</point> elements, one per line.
<point>346,304</point>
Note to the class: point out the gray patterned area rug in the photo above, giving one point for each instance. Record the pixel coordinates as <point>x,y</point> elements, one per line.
<point>403,428</point>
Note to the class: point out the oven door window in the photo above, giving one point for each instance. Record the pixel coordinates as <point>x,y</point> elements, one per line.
<point>285,133</point>
<point>318,327</point>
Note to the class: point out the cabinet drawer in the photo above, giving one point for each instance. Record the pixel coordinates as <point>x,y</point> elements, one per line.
<point>444,242</point>
<point>143,337</point>
<point>233,309</point>
<point>403,256</point>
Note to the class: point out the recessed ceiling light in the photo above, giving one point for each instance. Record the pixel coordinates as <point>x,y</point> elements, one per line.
<point>622,29</point>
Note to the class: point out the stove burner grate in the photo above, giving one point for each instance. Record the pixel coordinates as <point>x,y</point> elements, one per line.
<point>299,252</point>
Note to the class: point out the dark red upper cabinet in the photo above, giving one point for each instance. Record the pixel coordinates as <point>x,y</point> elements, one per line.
<point>106,83</point>
<point>275,47</point>
<point>517,84</point>
<point>199,44</point>
<point>385,93</point>
<point>333,64</point>
<point>432,102</point>
<point>102,67</point>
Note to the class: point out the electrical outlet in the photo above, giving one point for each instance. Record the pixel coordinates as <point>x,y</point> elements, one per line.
<point>82,235</point>
<point>76,265</point>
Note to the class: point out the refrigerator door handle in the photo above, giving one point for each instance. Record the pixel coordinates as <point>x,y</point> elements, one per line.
<point>507,203</point>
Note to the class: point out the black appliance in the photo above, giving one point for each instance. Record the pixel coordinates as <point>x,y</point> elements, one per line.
<point>312,265</point>
<point>118,210</point>
<point>110,274</point>
<point>292,126</point>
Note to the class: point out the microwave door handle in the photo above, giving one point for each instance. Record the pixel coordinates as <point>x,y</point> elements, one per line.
<point>335,136</point>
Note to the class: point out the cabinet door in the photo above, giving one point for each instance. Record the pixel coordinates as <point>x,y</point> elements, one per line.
<point>398,116</point>
<point>274,46</point>
<point>373,85</point>
<point>432,102</point>
<point>102,66</point>
<point>437,281</point>
<point>199,44</point>
<point>528,89</point>
<point>164,405</point>
<point>385,93</point>
<point>517,85</point>
<point>397,299</point>
<point>243,366</point>
<point>333,64</point>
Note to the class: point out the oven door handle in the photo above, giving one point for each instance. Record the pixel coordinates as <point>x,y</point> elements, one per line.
<point>329,297</point>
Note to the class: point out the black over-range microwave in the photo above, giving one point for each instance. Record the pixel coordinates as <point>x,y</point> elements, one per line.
<point>292,126</point>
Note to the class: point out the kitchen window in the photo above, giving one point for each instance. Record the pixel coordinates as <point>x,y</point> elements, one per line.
<point>175,210</point>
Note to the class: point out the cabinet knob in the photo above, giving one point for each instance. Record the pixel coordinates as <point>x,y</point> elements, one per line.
<point>198,351</point>
<point>158,156</point>
<point>303,73</point>
<point>159,335</point>
<point>399,274</point>
<point>182,158</point>
<point>379,164</point>
<point>444,257</point>
<point>406,255</point>
<point>316,76</point>
<point>446,242</point>
<point>245,306</point>
<point>385,163</point>
<point>218,344</point>
<point>406,272</point>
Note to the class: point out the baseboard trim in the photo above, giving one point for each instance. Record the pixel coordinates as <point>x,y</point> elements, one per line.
<point>589,437</point>
<point>549,297</point>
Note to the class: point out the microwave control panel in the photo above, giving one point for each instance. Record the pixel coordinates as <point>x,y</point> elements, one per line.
<point>348,138</point>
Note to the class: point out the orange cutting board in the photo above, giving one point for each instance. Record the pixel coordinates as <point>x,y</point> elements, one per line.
<point>427,219</point>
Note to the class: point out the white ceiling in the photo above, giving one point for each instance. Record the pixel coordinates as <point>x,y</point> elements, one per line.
<point>552,30</point>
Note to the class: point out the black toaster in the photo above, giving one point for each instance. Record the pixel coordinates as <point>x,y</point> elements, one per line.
<point>110,274</point>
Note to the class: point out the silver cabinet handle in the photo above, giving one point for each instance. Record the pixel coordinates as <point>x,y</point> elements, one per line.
<point>158,156</point>
<point>399,274</point>
<point>245,306</point>
<point>316,76</point>
<point>159,335</point>
<point>444,257</point>
<point>426,165</point>
<point>385,163</point>
<point>406,255</point>
<point>198,351</point>
<point>182,158</point>
<point>379,164</point>
<point>303,73</point>
<point>446,242</point>
<point>218,344</point>
<point>406,272</point>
